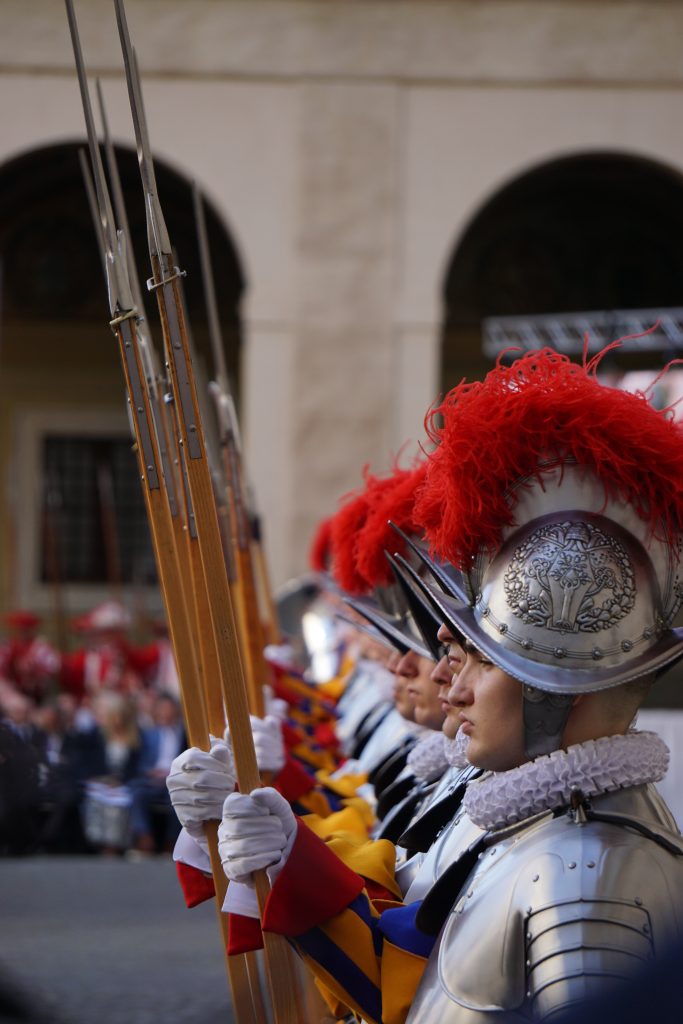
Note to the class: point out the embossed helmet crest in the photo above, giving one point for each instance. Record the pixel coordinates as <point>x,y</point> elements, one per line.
<point>570,577</point>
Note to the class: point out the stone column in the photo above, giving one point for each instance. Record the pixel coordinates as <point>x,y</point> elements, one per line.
<point>269,384</point>
<point>345,372</point>
<point>417,354</point>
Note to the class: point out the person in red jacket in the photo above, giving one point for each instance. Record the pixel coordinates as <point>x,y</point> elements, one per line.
<point>27,660</point>
<point>107,660</point>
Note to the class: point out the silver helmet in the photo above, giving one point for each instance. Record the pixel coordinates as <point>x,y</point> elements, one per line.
<point>399,618</point>
<point>396,631</point>
<point>580,595</point>
<point>561,499</point>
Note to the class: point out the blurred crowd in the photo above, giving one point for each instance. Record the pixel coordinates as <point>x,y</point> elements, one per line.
<point>86,738</point>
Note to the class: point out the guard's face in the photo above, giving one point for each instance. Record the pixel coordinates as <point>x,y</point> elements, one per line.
<point>489,705</point>
<point>402,700</point>
<point>392,660</point>
<point>424,695</point>
<point>442,676</point>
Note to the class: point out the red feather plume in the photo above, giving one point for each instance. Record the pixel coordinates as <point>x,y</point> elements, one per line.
<point>396,502</point>
<point>348,527</point>
<point>320,551</point>
<point>344,530</point>
<point>543,408</point>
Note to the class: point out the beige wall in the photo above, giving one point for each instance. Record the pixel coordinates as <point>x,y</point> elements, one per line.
<point>347,146</point>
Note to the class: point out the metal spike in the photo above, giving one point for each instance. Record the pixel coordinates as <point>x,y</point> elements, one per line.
<point>119,203</point>
<point>92,203</point>
<point>215,334</point>
<point>159,241</point>
<point>455,586</point>
<point>118,284</point>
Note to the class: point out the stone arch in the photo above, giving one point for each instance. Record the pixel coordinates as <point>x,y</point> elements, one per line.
<point>60,373</point>
<point>50,263</point>
<point>592,231</point>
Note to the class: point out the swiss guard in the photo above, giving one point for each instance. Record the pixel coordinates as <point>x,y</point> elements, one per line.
<point>558,504</point>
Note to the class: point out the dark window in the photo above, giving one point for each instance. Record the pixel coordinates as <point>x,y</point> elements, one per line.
<point>94,524</point>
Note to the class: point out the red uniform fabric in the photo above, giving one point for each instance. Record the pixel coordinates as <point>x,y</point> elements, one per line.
<point>196,886</point>
<point>289,909</point>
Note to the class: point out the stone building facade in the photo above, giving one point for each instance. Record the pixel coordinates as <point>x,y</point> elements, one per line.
<point>346,148</point>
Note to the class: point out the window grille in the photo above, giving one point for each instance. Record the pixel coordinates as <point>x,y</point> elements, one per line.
<point>94,525</point>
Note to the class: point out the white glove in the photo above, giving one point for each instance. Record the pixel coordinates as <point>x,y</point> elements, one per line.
<point>281,654</point>
<point>275,705</point>
<point>269,745</point>
<point>257,831</point>
<point>198,783</point>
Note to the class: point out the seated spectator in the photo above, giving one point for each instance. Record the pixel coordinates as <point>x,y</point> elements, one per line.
<point>69,757</point>
<point>19,793</point>
<point>17,714</point>
<point>107,793</point>
<point>160,745</point>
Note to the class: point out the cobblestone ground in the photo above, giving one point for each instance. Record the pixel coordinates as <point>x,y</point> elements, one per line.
<point>106,941</point>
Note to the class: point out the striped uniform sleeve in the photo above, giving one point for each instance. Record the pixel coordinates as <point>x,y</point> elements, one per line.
<point>311,794</point>
<point>370,962</point>
<point>368,954</point>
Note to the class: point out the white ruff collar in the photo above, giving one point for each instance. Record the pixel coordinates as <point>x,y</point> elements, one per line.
<point>428,757</point>
<point>456,750</point>
<point>597,766</point>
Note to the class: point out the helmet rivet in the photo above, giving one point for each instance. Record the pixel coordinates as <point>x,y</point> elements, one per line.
<point>647,633</point>
<point>485,612</point>
<point>527,645</point>
<point>597,654</point>
<point>559,652</point>
<point>502,628</point>
<point>627,645</point>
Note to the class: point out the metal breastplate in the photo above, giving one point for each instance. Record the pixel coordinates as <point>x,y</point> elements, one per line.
<point>551,909</point>
<point>360,702</point>
<point>408,863</point>
<point>391,731</point>
<point>446,784</point>
<point>453,841</point>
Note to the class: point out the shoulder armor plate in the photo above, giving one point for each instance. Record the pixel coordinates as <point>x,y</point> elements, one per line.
<point>551,910</point>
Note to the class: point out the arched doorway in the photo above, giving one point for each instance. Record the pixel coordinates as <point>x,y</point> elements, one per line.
<point>51,266</point>
<point>64,441</point>
<point>598,231</point>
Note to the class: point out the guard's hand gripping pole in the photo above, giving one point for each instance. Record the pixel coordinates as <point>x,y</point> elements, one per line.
<point>165,282</point>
